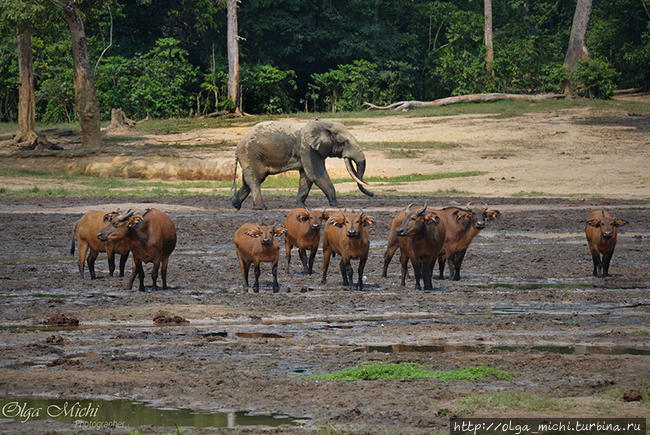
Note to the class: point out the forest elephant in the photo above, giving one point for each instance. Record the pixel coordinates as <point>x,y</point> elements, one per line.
<point>273,147</point>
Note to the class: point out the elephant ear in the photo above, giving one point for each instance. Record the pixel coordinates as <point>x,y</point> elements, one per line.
<point>319,136</point>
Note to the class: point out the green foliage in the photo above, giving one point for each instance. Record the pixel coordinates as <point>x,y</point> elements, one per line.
<point>369,371</point>
<point>349,86</point>
<point>164,87</point>
<point>267,89</point>
<point>595,79</point>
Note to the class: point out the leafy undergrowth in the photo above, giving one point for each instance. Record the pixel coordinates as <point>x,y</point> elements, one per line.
<point>368,371</point>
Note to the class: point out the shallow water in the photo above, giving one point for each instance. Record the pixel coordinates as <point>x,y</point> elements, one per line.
<point>127,413</point>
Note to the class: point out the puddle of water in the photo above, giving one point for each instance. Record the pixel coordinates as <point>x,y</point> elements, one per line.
<point>127,413</point>
<point>447,347</point>
<point>259,335</point>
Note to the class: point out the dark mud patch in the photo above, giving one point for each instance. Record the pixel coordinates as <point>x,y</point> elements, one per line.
<point>61,320</point>
<point>165,318</point>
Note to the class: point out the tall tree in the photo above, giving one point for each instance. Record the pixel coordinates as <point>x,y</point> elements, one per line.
<point>487,35</point>
<point>20,17</point>
<point>577,49</point>
<point>86,100</point>
<point>233,55</point>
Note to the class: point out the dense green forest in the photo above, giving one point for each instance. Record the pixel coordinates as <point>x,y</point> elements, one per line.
<point>167,58</point>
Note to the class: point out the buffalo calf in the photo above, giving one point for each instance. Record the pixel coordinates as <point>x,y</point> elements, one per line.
<point>258,244</point>
<point>303,232</point>
<point>601,230</point>
<point>84,233</point>
<point>346,235</point>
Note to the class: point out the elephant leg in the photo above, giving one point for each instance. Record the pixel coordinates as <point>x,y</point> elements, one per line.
<point>239,196</point>
<point>303,189</point>
<point>314,167</point>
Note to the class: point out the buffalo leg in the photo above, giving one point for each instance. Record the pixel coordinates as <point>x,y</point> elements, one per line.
<point>312,257</point>
<point>163,272</point>
<point>388,256</point>
<point>154,275</point>
<point>244,267</point>
<point>92,256</point>
<point>403,259</point>
<point>417,270</point>
<point>303,259</point>
<point>303,189</point>
<point>139,270</point>
<point>344,272</point>
<point>350,273</point>
<point>362,265</point>
<point>239,196</point>
<point>595,256</point>
<point>287,251</point>
<point>441,266</point>
<point>123,259</point>
<point>327,253</point>
<point>83,252</point>
<point>274,271</point>
<point>427,274</point>
<point>458,260</point>
<point>606,259</point>
<point>256,286</point>
<point>111,261</point>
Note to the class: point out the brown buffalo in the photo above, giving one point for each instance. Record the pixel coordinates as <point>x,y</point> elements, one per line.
<point>601,230</point>
<point>461,226</point>
<point>258,244</point>
<point>420,238</point>
<point>303,232</point>
<point>84,233</point>
<point>346,235</point>
<point>151,236</point>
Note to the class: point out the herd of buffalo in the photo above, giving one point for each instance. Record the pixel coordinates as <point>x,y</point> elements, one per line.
<point>423,235</point>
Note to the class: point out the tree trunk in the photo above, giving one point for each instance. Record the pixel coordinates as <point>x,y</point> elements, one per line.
<point>577,49</point>
<point>26,131</point>
<point>119,120</point>
<point>470,98</point>
<point>26,135</point>
<point>86,101</point>
<point>487,32</point>
<point>233,55</point>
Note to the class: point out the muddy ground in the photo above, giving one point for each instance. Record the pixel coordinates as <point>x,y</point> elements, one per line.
<point>526,303</point>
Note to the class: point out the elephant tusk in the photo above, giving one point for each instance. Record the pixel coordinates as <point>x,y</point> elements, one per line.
<point>348,166</point>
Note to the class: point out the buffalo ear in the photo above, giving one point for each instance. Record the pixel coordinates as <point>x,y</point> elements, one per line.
<point>493,214</point>
<point>462,215</point>
<point>249,234</point>
<point>107,217</point>
<point>278,231</point>
<point>619,222</point>
<point>368,220</point>
<point>432,219</point>
<point>135,221</point>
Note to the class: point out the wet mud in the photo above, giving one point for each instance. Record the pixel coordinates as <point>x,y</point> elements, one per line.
<point>526,303</point>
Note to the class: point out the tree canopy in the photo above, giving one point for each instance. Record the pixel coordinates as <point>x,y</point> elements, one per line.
<point>169,58</point>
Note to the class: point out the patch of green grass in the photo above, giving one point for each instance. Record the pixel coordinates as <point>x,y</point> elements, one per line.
<point>409,178</point>
<point>639,332</point>
<point>522,193</point>
<point>618,392</point>
<point>369,371</point>
<point>515,400</point>
<point>410,145</point>
<point>188,124</point>
<point>512,108</point>
<point>402,154</point>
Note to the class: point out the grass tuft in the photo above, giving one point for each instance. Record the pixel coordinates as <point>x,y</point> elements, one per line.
<point>368,371</point>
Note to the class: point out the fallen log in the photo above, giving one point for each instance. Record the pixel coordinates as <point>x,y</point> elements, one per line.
<point>471,98</point>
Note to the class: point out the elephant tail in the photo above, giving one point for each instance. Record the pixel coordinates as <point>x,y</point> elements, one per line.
<point>234,176</point>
